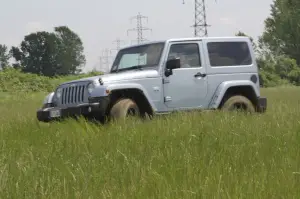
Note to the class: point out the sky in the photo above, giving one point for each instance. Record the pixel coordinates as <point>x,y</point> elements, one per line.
<point>99,23</point>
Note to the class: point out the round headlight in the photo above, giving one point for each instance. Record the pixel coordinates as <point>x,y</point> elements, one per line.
<point>58,92</point>
<point>91,87</point>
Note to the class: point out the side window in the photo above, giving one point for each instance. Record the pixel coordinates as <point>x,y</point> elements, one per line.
<point>229,53</point>
<point>188,53</point>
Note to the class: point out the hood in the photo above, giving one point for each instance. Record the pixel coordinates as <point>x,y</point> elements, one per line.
<point>121,76</point>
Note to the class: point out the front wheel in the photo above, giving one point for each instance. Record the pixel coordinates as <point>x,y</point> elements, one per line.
<point>124,108</point>
<point>238,102</point>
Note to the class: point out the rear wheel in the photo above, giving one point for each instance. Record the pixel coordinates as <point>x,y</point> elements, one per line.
<point>124,108</point>
<point>238,103</point>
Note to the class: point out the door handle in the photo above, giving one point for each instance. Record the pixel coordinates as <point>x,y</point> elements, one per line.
<point>199,75</point>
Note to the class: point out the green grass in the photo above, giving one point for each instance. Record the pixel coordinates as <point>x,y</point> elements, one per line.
<point>188,155</point>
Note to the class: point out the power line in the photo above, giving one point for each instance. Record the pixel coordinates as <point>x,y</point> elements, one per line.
<point>139,28</point>
<point>200,23</point>
<point>101,64</point>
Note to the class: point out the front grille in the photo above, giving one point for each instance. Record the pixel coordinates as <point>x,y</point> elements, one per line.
<point>72,94</point>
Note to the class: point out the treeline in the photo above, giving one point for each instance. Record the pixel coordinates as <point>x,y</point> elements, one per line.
<point>278,48</point>
<point>49,54</point>
<point>60,53</point>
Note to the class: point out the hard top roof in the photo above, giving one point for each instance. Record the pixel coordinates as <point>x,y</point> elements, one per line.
<point>188,39</point>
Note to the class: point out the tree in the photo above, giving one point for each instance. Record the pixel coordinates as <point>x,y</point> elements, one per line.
<point>274,70</point>
<point>4,56</point>
<point>279,45</point>
<point>37,53</point>
<point>50,54</point>
<point>70,51</point>
<point>281,34</point>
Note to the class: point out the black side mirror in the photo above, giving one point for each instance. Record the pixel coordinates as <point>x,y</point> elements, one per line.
<point>170,65</point>
<point>173,64</point>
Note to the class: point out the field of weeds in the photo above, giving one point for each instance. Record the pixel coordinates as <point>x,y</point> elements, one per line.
<point>186,155</point>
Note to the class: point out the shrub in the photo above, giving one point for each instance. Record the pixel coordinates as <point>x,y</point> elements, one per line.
<point>12,80</point>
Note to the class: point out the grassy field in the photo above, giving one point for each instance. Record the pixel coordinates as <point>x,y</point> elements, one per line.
<point>191,155</point>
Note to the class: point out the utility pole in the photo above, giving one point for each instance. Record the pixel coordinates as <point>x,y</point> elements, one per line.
<point>102,69</point>
<point>104,60</point>
<point>200,24</point>
<point>118,44</point>
<point>139,28</point>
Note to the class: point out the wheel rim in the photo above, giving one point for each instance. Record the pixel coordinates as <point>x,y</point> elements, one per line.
<point>131,112</point>
<point>239,107</point>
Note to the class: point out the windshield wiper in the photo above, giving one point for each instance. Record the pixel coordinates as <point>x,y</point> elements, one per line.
<point>140,67</point>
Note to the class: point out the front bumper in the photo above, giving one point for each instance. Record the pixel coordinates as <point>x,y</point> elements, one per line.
<point>95,107</point>
<point>262,104</point>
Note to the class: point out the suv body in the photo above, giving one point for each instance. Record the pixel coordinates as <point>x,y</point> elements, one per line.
<point>164,76</point>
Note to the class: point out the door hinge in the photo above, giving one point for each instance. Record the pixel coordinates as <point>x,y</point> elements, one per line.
<point>168,99</point>
<point>165,81</point>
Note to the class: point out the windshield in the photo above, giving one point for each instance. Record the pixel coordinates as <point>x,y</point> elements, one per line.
<point>147,55</point>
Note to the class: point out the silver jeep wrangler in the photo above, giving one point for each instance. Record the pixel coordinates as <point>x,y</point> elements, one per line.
<point>164,76</point>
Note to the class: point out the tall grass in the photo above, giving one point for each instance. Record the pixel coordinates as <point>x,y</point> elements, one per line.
<point>184,155</point>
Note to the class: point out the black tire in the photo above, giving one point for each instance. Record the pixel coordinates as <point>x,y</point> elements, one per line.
<point>238,102</point>
<point>123,108</point>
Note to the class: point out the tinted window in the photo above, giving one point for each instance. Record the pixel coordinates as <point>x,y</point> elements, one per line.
<point>188,54</point>
<point>229,53</point>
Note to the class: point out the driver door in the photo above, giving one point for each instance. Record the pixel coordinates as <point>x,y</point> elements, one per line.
<point>186,88</point>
